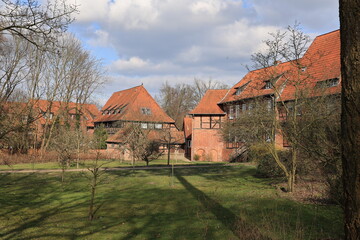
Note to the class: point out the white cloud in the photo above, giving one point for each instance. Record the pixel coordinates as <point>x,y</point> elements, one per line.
<point>191,55</point>
<point>240,39</point>
<point>133,63</point>
<point>133,14</point>
<point>91,10</point>
<point>138,66</point>
<point>175,40</point>
<point>100,39</point>
<point>209,7</point>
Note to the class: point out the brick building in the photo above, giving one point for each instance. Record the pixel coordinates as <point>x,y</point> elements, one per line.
<point>276,86</point>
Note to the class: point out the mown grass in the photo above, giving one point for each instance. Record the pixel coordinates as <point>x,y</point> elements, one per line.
<point>105,163</point>
<point>208,203</point>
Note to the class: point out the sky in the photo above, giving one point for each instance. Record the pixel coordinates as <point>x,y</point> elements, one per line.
<point>153,41</point>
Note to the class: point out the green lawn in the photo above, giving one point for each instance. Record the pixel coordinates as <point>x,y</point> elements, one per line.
<point>87,163</point>
<point>221,202</point>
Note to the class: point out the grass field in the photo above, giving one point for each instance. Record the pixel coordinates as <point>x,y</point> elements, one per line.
<point>221,202</point>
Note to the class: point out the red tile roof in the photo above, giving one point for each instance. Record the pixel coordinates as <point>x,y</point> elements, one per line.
<point>188,127</point>
<point>128,105</point>
<point>322,61</point>
<point>208,104</point>
<point>253,84</point>
<point>38,107</point>
<point>89,111</point>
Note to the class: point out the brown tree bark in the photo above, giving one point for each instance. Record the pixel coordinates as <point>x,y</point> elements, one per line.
<point>350,115</point>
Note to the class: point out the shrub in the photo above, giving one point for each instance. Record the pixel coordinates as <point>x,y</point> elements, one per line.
<point>266,165</point>
<point>196,157</point>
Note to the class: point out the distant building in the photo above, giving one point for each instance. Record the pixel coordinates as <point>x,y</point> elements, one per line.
<point>37,116</point>
<point>136,106</point>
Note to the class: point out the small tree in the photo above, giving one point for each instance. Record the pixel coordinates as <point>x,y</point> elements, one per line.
<point>94,180</point>
<point>100,136</point>
<point>64,143</point>
<point>142,148</point>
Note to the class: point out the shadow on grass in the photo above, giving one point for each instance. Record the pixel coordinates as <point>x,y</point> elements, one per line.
<point>143,205</point>
<point>224,215</point>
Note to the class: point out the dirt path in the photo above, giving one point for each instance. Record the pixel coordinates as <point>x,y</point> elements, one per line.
<point>114,168</point>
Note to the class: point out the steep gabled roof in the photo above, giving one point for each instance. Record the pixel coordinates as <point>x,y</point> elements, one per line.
<point>134,104</point>
<point>321,62</point>
<point>208,104</point>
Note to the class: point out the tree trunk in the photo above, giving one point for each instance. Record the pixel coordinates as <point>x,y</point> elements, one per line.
<point>350,114</point>
<point>168,157</point>
<point>91,206</point>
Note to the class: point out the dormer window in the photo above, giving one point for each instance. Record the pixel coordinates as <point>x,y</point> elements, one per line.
<point>238,91</point>
<point>146,111</point>
<point>241,89</point>
<point>333,82</point>
<point>268,85</point>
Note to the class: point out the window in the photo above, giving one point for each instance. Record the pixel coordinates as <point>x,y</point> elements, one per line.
<point>243,107</point>
<point>333,82</point>
<point>210,122</point>
<point>268,85</point>
<point>269,105</point>
<point>146,111</point>
<point>144,125</point>
<point>158,126</point>
<point>237,111</point>
<point>232,142</point>
<point>151,126</point>
<point>189,143</point>
<point>231,112</point>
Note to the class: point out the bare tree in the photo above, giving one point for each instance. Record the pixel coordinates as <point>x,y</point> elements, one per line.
<point>201,86</point>
<point>350,116</point>
<point>264,124</point>
<point>38,24</point>
<point>72,76</point>
<point>65,146</point>
<point>177,101</point>
<point>180,99</point>
<point>27,28</point>
<point>141,145</point>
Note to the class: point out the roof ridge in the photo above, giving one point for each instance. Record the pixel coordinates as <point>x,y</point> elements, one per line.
<point>144,89</point>
<point>321,35</point>
<point>128,89</point>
